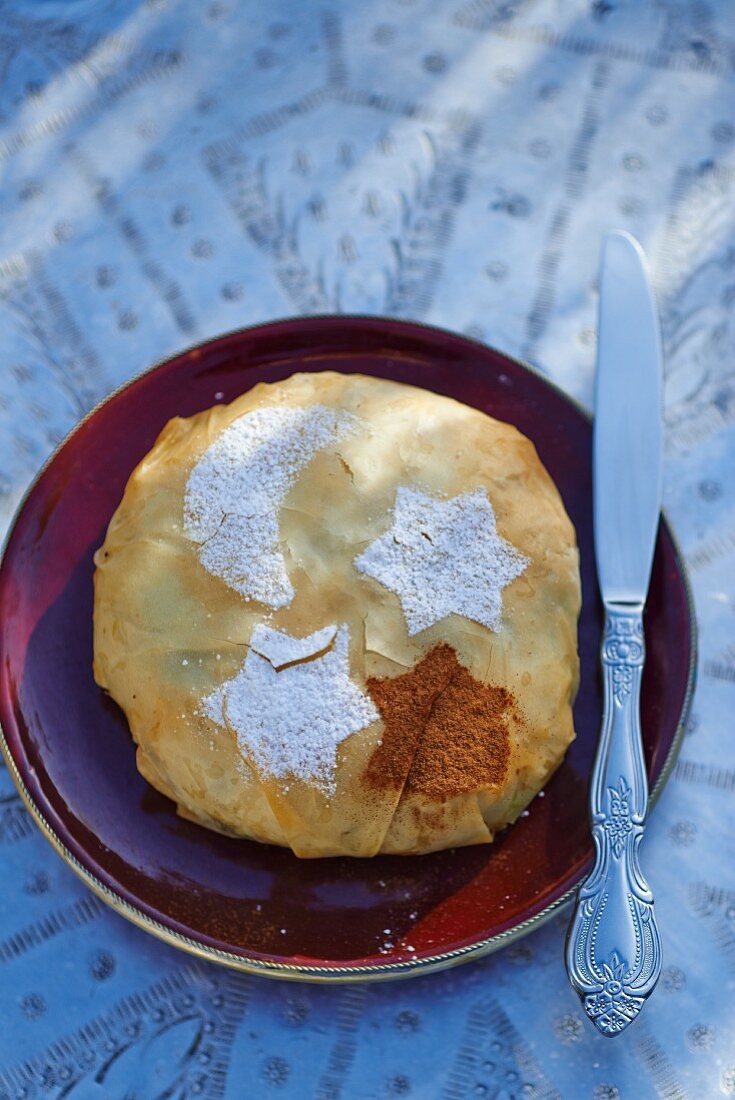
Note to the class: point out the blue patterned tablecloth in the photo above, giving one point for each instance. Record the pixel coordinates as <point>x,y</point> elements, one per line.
<point>170,170</point>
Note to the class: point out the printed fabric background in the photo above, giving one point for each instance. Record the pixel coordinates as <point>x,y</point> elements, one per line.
<point>171,169</point>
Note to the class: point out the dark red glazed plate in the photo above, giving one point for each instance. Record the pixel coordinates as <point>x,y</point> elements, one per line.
<point>258,907</point>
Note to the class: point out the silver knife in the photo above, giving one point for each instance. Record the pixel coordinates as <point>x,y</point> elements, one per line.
<point>613,952</point>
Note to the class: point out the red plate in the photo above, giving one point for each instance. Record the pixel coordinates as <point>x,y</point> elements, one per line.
<point>258,907</point>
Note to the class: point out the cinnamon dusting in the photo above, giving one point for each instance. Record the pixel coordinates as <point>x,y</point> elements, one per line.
<point>404,703</point>
<point>445,733</point>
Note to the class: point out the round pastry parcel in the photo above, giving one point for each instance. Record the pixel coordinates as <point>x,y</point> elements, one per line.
<point>340,616</point>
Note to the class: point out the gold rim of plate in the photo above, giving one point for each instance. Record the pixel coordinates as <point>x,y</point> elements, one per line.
<point>340,972</point>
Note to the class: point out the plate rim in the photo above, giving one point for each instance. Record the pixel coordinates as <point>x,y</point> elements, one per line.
<point>347,972</point>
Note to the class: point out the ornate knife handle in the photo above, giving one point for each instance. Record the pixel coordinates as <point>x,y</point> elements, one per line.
<point>613,950</point>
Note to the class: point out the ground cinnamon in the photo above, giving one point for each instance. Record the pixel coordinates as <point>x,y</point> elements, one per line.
<point>445,733</point>
<point>405,703</point>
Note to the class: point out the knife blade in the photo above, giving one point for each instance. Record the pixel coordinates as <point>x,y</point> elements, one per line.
<point>613,951</point>
<point>628,429</point>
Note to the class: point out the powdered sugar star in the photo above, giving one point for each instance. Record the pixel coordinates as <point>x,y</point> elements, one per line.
<point>444,557</point>
<point>293,702</point>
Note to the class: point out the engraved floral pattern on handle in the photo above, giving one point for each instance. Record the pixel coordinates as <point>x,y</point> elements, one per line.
<point>623,652</point>
<point>613,948</point>
<point>612,1008</point>
<point>618,823</point>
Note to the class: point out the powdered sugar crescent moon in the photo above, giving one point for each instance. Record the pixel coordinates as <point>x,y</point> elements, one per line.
<point>235,491</point>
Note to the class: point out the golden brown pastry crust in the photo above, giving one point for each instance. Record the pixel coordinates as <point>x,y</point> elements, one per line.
<point>167,632</point>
